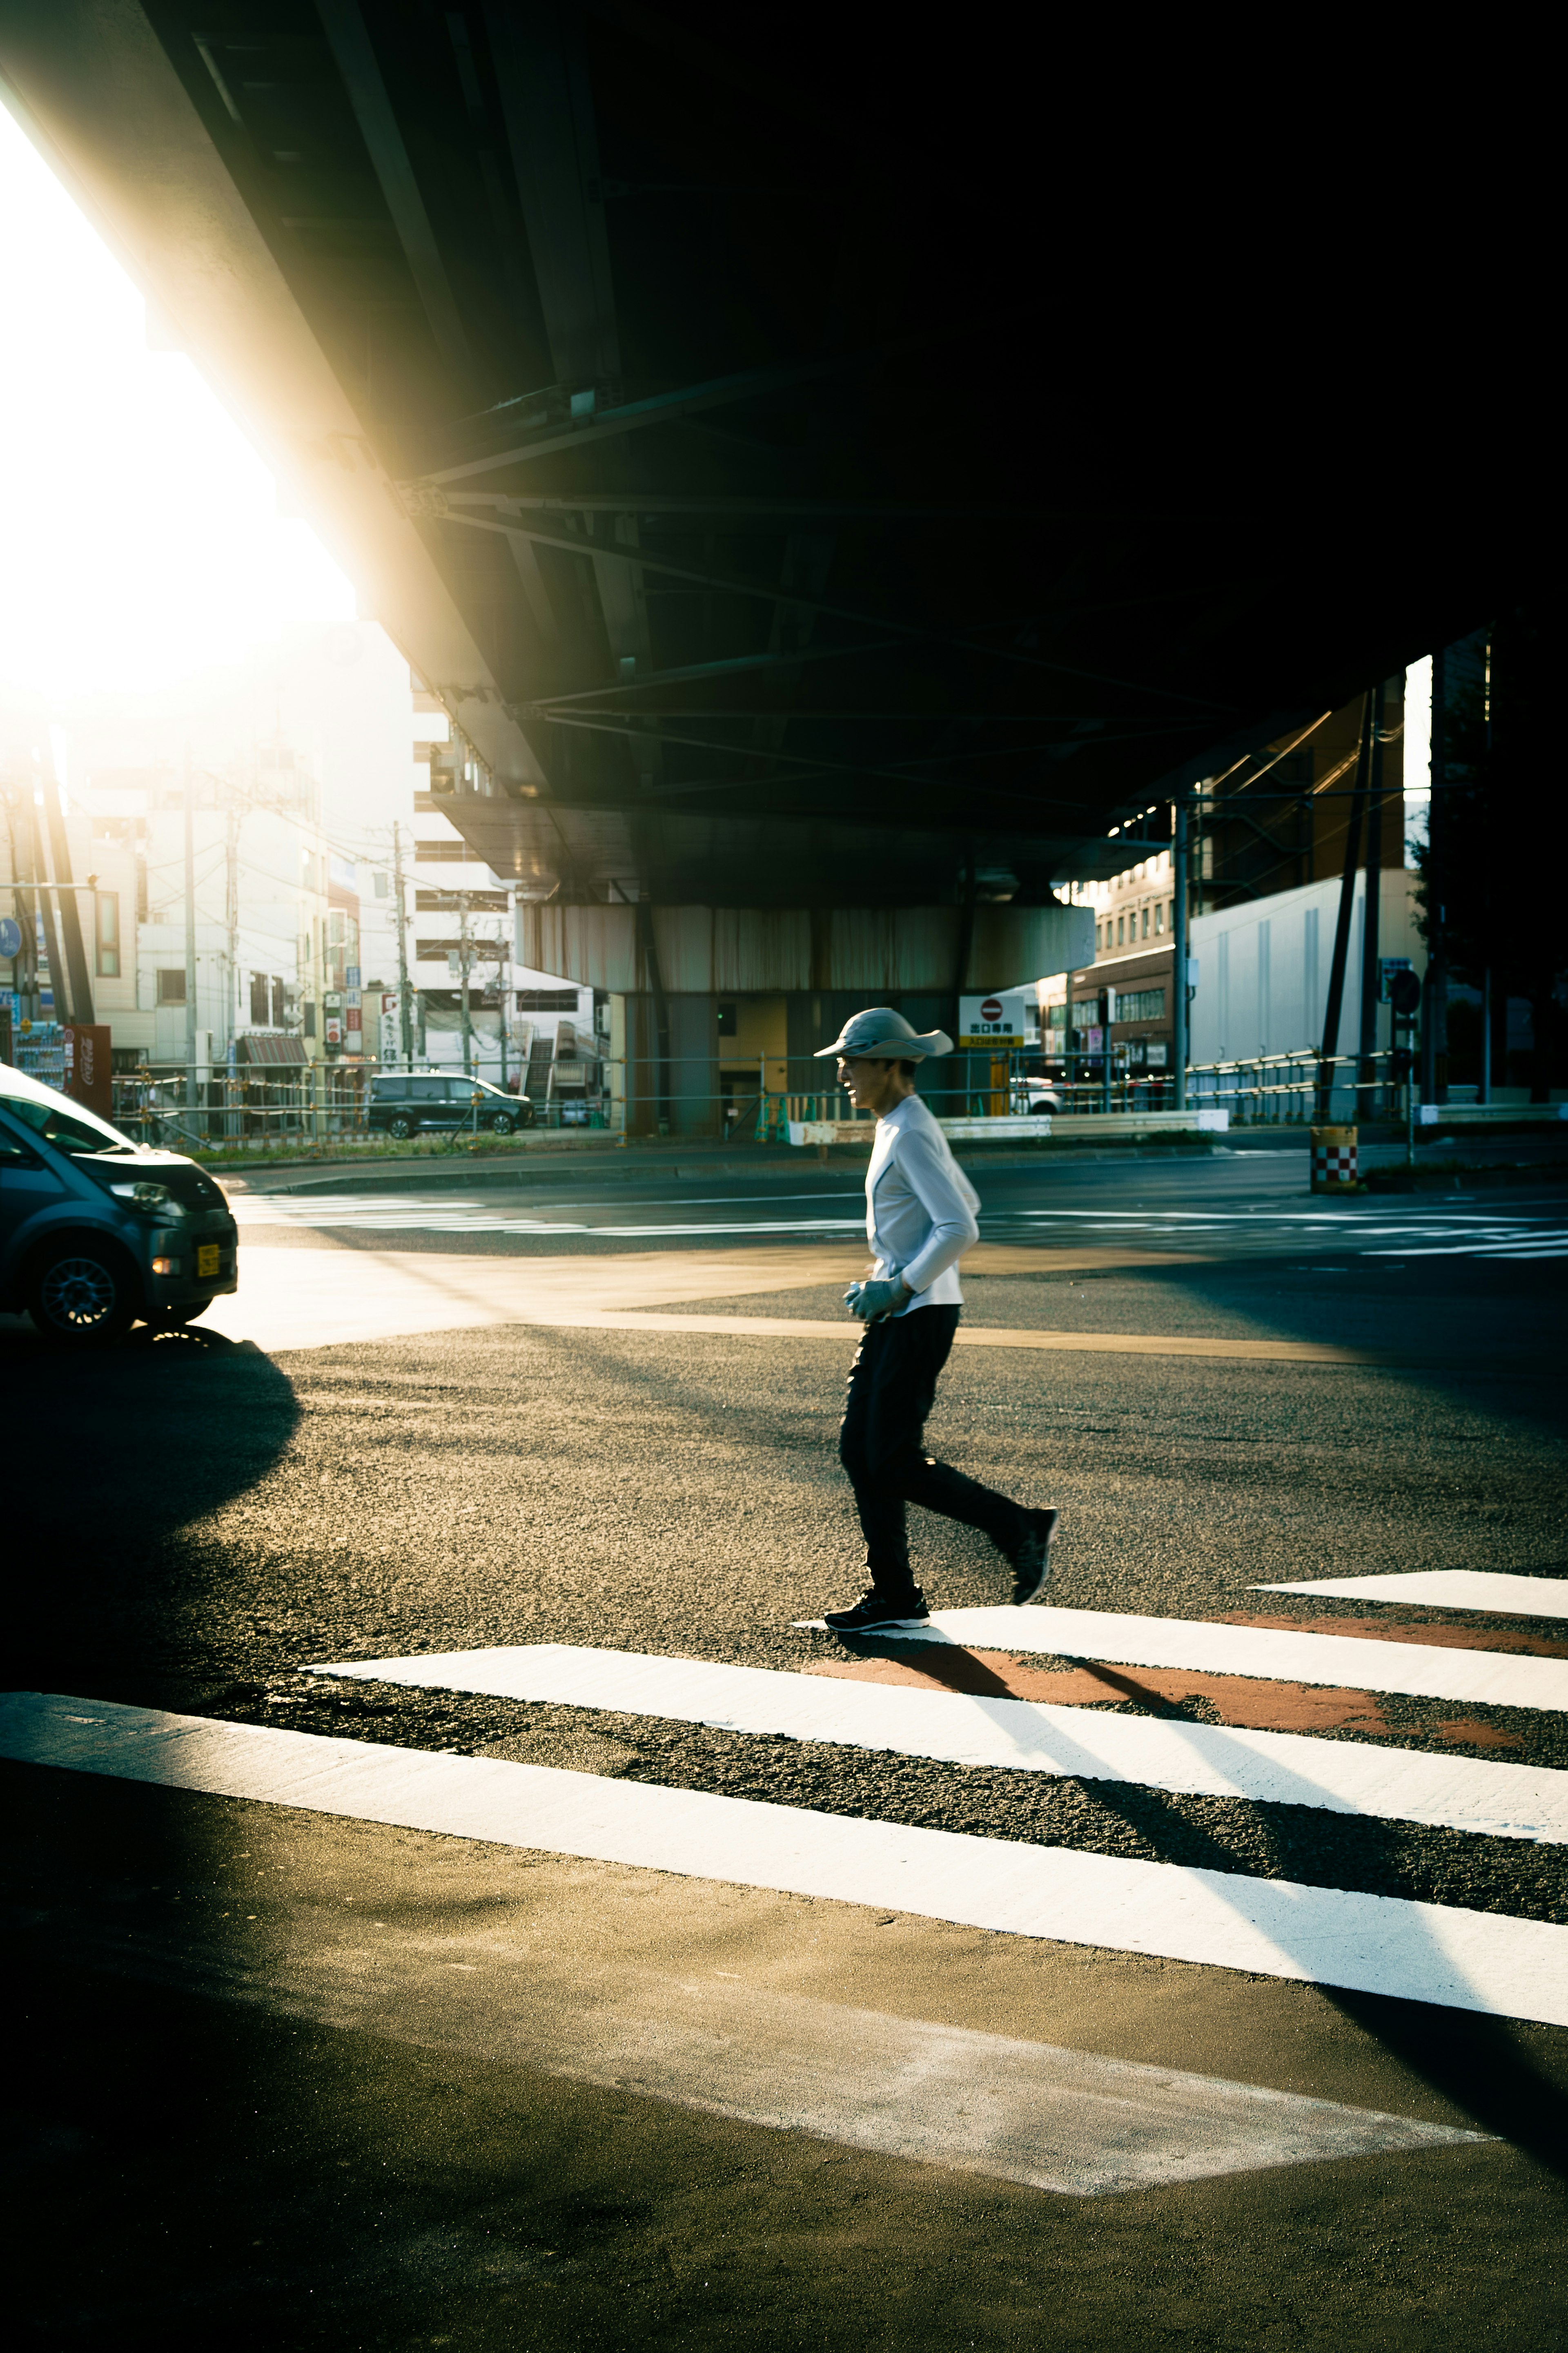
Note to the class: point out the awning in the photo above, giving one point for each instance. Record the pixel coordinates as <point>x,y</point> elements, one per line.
<point>269,1049</point>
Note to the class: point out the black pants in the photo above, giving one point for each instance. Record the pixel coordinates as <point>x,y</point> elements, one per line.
<point>892,1385</point>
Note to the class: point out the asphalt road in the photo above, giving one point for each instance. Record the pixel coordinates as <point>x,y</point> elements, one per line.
<point>225,2153</point>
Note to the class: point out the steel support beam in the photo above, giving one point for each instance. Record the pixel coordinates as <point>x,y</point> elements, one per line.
<point>348,36</point>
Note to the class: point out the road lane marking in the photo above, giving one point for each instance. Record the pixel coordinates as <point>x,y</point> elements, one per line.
<point>1255,1705</point>
<point>1369,1944</point>
<point>1444,1637</point>
<point>1283,1768</point>
<point>1492,1679</point>
<point>1468,1233</point>
<point>1449,1588</point>
<point>317,1299</point>
<point>1072,2123</point>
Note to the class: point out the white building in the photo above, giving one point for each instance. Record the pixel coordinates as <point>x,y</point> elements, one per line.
<point>1264,969</point>
<point>519,1021</point>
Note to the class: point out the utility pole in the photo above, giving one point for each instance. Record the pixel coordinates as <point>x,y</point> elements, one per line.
<point>1433,1010</point>
<point>404,1003</point>
<point>463,965</point>
<point>231,911</point>
<point>190,935</point>
<point>45,901</point>
<point>1371,908</point>
<point>1330,1043</point>
<point>1180,1046</point>
<point>503,989</point>
<point>73,984</point>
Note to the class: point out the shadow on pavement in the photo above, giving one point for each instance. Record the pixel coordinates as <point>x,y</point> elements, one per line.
<point>1482,2065</point>
<point>109,1453</point>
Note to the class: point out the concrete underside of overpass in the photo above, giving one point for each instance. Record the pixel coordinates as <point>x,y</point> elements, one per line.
<point>815,472</point>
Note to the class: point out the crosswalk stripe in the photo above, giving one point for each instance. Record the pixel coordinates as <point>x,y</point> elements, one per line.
<point>1492,1679</point>
<point>1452,1589</point>
<point>1509,1248</point>
<point>1371,1944</point>
<point>290,1299</point>
<point>1195,1759</point>
<point>1371,1232</point>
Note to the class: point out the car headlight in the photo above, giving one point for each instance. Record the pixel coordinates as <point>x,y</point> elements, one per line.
<point>149,1195</point>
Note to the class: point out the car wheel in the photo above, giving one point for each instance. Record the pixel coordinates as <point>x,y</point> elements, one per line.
<point>401,1128</point>
<point>82,1294</point>
<point>501,1122</point>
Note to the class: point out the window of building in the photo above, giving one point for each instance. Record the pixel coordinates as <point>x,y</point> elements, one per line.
<point>1140,1005</point>
<point>728,1025</point>
<point>547,1000</point>
<point>107,923</point>
<point>170,985</point>
<point>260,995</point>
<point>277,1001</point>
<point>1121,931</point>
<point>1160,916</point>
<point>1145,923</point>
<point>1171,914</point>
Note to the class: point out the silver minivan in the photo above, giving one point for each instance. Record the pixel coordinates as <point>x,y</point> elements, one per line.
<point>97,1231</point>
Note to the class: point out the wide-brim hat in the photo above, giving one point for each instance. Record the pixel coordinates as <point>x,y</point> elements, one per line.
<point>880,1033</point>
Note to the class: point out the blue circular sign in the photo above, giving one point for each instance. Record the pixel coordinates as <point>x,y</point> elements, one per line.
<point>10,936</point>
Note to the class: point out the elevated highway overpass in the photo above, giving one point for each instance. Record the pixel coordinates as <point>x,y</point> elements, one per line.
<point>821,469</point>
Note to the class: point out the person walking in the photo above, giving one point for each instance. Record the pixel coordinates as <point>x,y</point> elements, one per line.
<point>919,1219</point>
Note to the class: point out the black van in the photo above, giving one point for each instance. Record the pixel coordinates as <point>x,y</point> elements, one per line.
<point>402,1102</point>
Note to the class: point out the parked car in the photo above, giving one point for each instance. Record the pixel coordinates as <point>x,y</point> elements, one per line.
<point>1033,1098</point>
<point>97,1232</point>
<point>403,1102</point>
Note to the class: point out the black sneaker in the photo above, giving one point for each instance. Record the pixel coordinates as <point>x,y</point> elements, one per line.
<point>874,1614</point>
<point>1032,1558</point>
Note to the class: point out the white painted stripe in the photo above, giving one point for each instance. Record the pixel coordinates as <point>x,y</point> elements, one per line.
<point>1489,1678</point>
<point>1371,1944</point>
<point>1447,1588</point>
<point>1281,1768</point>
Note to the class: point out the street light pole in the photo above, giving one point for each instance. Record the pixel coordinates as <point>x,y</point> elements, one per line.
<point>190,935</point>
<point>463,965</point>
<point>404,1001</point>
<point>1179,1019</point>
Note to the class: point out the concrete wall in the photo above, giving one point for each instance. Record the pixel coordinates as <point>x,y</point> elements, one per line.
<point>1263,970</point>
<point>787,1028</point>
<point>877,951</point>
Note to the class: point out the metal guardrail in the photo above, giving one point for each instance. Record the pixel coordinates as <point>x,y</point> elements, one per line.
<point>256,1107</point>
<point>259,1107</point>
<point>1284,1090</point>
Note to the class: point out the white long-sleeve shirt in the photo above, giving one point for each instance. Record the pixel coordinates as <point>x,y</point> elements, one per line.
<point>920,1207</point>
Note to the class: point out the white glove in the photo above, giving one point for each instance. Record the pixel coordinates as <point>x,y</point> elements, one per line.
<point>872,1301</point>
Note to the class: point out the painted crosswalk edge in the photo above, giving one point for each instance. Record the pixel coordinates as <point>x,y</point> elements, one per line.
<point>1281,1768</point>
<point>1368,1943</point>
<point>1446,1588</point>
<point>1340,1662</point>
